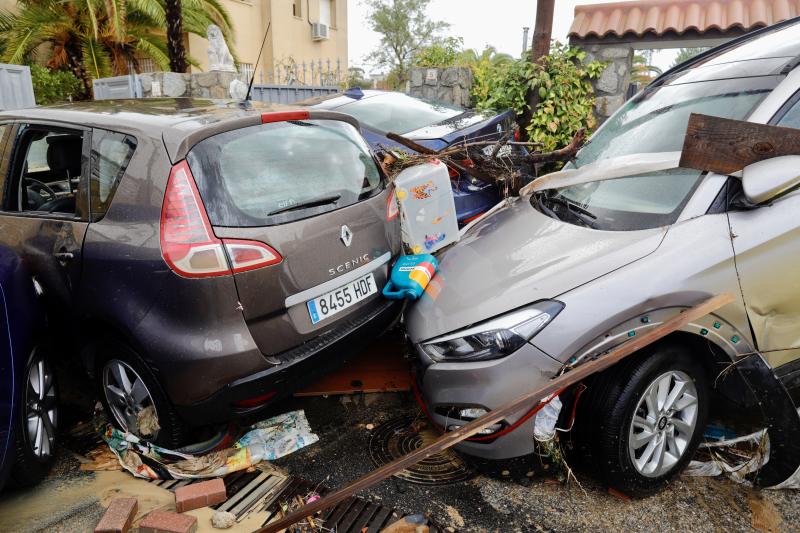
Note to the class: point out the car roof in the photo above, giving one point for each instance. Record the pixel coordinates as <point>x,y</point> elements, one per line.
<point>170,119</point>
<point>332,101</point>
<point>769,51</point>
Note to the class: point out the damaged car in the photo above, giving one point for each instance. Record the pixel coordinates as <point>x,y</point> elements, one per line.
<point>615,244</point>
<point>434,125</point>
<point>204,258</point>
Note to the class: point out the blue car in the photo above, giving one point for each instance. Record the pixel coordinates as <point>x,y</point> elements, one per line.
<point>28,396</point>
<point>432,124</point>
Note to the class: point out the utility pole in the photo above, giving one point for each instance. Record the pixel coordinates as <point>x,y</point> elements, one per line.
<point>525,31</point>
<point>542,31</point>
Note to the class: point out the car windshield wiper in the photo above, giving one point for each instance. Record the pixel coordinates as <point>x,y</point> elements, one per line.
<point>581,214</point>
<point>316,202</point>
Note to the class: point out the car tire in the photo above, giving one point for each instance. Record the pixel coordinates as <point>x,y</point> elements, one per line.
<point>127,388</point>
<point>640,422</point>
<point>36,426</point>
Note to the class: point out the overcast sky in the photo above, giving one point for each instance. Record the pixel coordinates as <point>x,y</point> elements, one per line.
<point>479,22</point>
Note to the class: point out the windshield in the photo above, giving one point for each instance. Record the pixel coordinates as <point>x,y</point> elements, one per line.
<point>274,173</point>
<point>399,113</point>
<point>652,122</point>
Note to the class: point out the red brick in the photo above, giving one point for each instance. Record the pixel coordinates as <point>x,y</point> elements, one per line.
<point>166,522</point>
<point>199,495</point>
<point>118,517</point>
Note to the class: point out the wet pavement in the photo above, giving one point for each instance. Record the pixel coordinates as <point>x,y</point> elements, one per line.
<point>520,495</point>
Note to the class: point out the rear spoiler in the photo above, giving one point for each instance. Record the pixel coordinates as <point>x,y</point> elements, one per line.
<point>181,144</point>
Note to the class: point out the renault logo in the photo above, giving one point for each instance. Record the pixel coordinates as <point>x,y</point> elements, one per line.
<point>347,235</point>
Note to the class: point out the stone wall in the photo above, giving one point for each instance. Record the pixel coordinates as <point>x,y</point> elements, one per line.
<point>612,84</point>
<point>450,85</point>
<point>200,85</point>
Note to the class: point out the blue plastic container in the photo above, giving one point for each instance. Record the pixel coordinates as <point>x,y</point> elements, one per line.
<point>410,275</point>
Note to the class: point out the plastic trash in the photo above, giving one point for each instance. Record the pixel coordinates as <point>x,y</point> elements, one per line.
<point>427,209</point>
<point>410,276</point>
<point>544,424</point>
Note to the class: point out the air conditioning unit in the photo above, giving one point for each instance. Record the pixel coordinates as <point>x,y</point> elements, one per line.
<point>319,31</point>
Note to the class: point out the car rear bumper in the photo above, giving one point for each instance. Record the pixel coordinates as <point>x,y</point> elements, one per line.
<point>296,369</point>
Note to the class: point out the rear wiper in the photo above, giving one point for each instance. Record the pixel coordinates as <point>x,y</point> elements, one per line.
<point>317,202</point>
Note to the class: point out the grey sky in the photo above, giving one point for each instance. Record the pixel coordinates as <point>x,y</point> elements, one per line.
<point>480,22</point>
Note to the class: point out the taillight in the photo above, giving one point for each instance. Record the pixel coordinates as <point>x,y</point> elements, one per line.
<point>516,135</point>
<point>188,243</point>
<point>249,255</point>
<point>391,207</point>
<point>453,172</point>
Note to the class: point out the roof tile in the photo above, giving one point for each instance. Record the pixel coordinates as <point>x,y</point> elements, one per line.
<point>657,17</point>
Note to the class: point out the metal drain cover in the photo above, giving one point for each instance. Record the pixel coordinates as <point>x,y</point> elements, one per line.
<point>399,436</point>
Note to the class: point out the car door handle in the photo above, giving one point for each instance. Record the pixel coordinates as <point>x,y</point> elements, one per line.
<point>64,256</point>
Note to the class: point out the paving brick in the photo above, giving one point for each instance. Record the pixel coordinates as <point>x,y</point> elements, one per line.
<point>166,522</point>
<point>199,495</point>
<point>118,517</point>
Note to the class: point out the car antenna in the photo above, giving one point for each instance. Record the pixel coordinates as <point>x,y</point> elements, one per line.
<point>246,103</point>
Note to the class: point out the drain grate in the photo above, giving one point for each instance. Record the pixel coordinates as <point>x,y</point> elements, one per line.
<point>400,436</point>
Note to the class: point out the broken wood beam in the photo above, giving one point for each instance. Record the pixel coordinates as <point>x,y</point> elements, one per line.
<point>725,146</point>
<point>520,403</point>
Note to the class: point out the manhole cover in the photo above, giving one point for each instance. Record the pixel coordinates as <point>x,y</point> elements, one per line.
<point>403,435</point>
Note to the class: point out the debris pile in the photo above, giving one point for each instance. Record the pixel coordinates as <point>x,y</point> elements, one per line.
<point>494,162</point>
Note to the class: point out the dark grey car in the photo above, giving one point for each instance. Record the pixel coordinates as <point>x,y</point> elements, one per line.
<point>206,260</point>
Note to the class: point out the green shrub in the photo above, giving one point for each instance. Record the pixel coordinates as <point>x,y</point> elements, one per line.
<point>441,54</point>
<point>51,86</point>
<point>562,79</point>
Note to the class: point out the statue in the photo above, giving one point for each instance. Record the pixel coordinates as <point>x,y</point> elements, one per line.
<point>219,57</point>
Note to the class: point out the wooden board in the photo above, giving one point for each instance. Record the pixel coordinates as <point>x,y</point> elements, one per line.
<point>523,402</point>
<point>726,146</point>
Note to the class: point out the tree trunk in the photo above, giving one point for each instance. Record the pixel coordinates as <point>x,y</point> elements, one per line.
<point>175,47</point>
<point>76,66</point>
<point>542,30</point>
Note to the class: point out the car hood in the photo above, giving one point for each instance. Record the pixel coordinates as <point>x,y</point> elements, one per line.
<point>514,257</point>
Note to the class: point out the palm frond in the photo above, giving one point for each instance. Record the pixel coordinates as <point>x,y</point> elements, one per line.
<point>95,58</point>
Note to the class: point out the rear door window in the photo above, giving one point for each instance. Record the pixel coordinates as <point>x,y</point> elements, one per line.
<point>280,172</point>
<point>111,153</point>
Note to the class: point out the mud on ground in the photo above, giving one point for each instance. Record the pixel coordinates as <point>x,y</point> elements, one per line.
<point>511,496</point>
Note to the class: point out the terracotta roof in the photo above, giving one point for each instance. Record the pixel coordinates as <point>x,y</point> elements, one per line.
<point>657,17</point>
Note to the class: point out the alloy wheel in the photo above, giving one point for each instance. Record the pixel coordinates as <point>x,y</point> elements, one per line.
<point>129,399</point>
<point>41,409</point>
<point>663,423</point>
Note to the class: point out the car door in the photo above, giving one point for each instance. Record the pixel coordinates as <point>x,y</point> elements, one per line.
<point>45,208</point>
<point>766,243</point>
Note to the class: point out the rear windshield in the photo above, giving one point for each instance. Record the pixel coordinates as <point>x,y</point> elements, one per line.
<point>398,112</point>
<point>275,173</point>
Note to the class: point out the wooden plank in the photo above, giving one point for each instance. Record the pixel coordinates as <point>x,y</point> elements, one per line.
<point>520,403</point>
<point>726,146</point>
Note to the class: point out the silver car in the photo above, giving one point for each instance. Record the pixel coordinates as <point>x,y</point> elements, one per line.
<point>557,276</point>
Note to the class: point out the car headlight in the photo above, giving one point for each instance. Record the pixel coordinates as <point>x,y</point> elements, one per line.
<point>494,338</point>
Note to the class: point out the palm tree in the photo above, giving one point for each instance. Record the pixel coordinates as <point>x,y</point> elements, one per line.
<point>99,38</point>
<point>175,47</point>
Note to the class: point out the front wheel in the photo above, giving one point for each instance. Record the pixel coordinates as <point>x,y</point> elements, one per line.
<point>642,421</point>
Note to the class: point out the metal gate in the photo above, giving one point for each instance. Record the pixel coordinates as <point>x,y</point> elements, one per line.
<point>16,87</point>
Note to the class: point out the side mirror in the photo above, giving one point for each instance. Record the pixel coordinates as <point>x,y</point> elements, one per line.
<point>764,180</point>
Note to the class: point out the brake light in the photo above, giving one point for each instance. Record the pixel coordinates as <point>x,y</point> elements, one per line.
<point>516,136</point>
<point>188,243</point>
<point>249,255</point>
<point>391,207</point>
<point>283,116</point>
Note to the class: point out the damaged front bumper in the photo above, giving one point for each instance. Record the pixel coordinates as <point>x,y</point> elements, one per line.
<point>455,393</point>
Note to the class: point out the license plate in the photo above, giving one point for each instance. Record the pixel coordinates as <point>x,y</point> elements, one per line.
<point>340,299</point>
